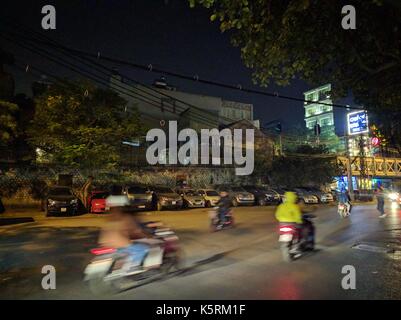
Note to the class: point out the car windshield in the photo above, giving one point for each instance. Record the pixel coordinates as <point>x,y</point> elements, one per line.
<point>136,189</point>
<point>212,193</point>
<point>162,190</point>
<point>238,189</point>
<point>60,192</point>
<point>100,195</point>
<point>191,193</point>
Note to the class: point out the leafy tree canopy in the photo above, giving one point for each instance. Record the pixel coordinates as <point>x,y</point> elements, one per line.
<point>305,167</point>
<point>83,125</point>
<point>8,122</point>
<point>283,39</point>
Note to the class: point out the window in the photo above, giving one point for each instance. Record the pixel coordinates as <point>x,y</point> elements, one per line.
<point>326,122</point>
<point>310,124</point>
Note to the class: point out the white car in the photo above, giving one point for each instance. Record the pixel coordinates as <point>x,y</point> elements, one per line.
<point>306,197</point>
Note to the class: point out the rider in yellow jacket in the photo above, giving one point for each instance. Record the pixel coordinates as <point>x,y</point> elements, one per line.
<point>289,211</point>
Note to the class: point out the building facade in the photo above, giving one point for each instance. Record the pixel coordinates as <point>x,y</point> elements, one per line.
<point>318,113</point>
<point>162,102</point>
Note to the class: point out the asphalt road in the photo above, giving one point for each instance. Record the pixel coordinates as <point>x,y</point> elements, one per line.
<point>240,263</point>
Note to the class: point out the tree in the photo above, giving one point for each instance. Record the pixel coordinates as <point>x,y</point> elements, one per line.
<point>8,122</point>
<point>79,124</point>
<point>283,39</point>
<point>308,166</point>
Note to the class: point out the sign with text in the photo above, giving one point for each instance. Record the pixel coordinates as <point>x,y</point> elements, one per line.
<point>357,122</point>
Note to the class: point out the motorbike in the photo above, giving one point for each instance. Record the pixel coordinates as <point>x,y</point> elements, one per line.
<point>110,272</point>
<point>294,240</point>
<point>216,224</point>
<point>343,210</point>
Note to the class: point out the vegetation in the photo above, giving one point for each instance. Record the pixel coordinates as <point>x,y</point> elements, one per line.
<point>82,125</point>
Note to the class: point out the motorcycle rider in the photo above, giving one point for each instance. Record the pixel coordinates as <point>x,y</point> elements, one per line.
<point>122,229</point>
<point>224,206</point>
<point>345,198</point>
<point>289,212</point>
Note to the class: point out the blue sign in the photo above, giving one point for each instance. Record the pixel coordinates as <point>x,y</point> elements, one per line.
<point>357,122</point>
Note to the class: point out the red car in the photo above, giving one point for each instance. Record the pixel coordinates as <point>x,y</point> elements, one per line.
<point>97,202</point>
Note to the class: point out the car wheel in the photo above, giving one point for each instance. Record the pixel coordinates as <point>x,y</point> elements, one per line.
<point>208,204</point>
<point>261,202</point>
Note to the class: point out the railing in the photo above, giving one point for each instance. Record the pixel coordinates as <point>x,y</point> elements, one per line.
<point>380,167</point>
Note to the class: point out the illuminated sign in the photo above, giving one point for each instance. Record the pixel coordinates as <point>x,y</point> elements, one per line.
<point>375,141</point>
<point>357,122</point>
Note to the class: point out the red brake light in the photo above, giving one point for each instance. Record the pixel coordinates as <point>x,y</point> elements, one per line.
<point>100,251</point>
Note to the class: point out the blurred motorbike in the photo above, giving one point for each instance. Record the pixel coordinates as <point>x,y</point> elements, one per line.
<point>294,240</point>
<point>216,224</point>
<point>109,271</point>
<point>343,210</point>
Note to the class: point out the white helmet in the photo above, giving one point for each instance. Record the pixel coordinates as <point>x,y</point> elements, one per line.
<point>117,201</point>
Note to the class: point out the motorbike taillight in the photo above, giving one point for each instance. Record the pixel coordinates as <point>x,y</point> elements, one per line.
<point>286,229</point>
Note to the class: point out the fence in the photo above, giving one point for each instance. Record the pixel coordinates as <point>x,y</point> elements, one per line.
<point>27,183</point>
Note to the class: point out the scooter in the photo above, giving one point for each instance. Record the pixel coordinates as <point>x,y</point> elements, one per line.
<point>343,210</point>
<point>216,224</point>
<point>294,241</point>
<point>110,270</point>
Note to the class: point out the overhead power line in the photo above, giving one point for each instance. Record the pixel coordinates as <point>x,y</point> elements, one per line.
<point>194,78</point>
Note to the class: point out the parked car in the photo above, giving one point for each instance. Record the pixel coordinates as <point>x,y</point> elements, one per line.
<point>60,200</point>
<point>139,196</point>
<point>97,201</point>
<point>191,198</point>
<point>238,195</point>
<point>323,197</point>
<point>164,197</point>
<point>280,193</point>
<point>263,196</point>
<point>210,196</point>
<point>305,197</point>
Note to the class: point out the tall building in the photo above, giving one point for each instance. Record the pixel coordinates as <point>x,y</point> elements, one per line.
<point>318,110</point>
<point>318,113</point>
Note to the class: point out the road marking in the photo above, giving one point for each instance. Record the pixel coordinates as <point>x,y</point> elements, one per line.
<point>372,248</point>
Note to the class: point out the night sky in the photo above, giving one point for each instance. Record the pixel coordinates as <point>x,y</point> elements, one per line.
<point>165,33</point>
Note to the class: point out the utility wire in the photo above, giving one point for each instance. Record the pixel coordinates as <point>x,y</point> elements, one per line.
<point>53,44</point>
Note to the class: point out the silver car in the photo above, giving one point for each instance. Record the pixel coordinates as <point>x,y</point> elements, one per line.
<point>238,195</point>
<point>191,198</point>
<point>306,197</point>
<point>324,197</point>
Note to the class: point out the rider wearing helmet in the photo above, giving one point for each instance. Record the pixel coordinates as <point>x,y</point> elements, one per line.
<point>122,229</point>
<point>223,205</point>
<point>345,198</point>
<point>289,212</point>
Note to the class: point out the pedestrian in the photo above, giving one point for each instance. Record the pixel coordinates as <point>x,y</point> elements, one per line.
<point>380,201</point>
